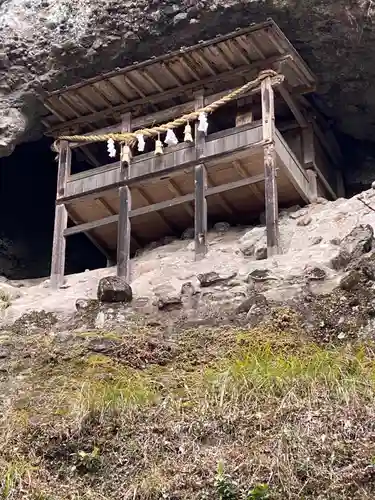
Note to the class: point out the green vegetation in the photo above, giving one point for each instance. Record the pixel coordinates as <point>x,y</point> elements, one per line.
<point>229,414</point>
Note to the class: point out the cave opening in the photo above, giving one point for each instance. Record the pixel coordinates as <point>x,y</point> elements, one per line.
<point>27,208</point>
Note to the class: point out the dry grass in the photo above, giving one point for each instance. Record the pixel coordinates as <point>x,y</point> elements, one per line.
<point>232,415</point>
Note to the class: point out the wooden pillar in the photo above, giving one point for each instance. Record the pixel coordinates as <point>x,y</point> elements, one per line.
<point>123,228</point>
<point>308,146</point>
<point>340,184</point>
<point>271,198</point>
<point>61,218</point>
<point>200,182</point>
<point>313,185</point>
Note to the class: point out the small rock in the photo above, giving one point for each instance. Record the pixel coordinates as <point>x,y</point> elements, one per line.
<point>114,289</point>
<point>373,185</point>
<point>212,278</point>
<point>335,241</point>
<point>299,213</point>
<point>260,253</point>
<point>256,298</point>
<point>316,240</point>
<point>169,302</point>
<point>188,289</point>
<point>304,221</point>
<point>85,304</point>
<point>188,234</point>
<point>4,352</point>
<point>315,274</point>
<point>221,227</point>
<point>258,275</point>
<point>350,280</point>
<point>341,336</point>
<point>102,344</point>
<point>247,249</point>
<point>181,16</point>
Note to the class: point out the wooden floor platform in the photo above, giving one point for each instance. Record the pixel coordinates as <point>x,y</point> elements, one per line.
<point>165,205</point>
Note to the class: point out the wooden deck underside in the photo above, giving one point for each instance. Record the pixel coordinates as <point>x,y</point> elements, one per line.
<point>240,200</point>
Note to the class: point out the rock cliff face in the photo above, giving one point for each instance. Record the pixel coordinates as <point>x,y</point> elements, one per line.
<point>47,44</point>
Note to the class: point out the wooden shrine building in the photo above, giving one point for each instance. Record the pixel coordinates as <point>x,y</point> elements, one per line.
<point>265,149</point>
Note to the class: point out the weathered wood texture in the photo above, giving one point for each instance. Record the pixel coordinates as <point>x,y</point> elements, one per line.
<point>271,199</point>
<point>165,204</point>
<point>180,157</point>
<point>58,247</point>
<point>65,160</point>
<point>124,227</point>
<point>200,182</point>
<point>61,218</point>
<point>200,219</point>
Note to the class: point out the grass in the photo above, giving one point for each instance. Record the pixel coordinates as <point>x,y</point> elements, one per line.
<point>233,415</point>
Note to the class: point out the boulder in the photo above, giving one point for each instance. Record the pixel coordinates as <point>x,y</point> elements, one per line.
<point>114,289</point>
<point>222,227</point>
<point>351,280</point>
<point>355,244</point>
<point>359,241</point>
<point>188,234</point>
<point>260,253</point>
<point>247,248</point>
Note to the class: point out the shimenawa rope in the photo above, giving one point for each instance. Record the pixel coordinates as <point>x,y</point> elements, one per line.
<point>131,137</point>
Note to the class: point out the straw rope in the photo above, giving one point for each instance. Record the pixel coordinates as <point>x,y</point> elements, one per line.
<point>131,137</point>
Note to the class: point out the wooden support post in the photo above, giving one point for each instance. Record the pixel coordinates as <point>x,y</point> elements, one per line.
<point>124,229</point>
<point>271,198</point>
<point>308,147</point>
<point>313,185</point>
<point>340,184</point>
<point>200,218</point>
<point>200,180</point>
<point>59,247</point>
<point>61,219</point>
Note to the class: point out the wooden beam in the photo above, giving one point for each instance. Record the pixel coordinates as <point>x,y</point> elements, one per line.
<point>293,106</point>
<point>221,198</point>
<point>172,112</point>
<point>94,240</point>
<point>103,202</point>
<point>171,93</point>
<point>236,143</point>
<point>271,198</point>
<point>200,183</point>
<point>124,227</point>
<point>186,198</point>
<point>254,190</point>
<point>149,201</point>
<point>174,188</point>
